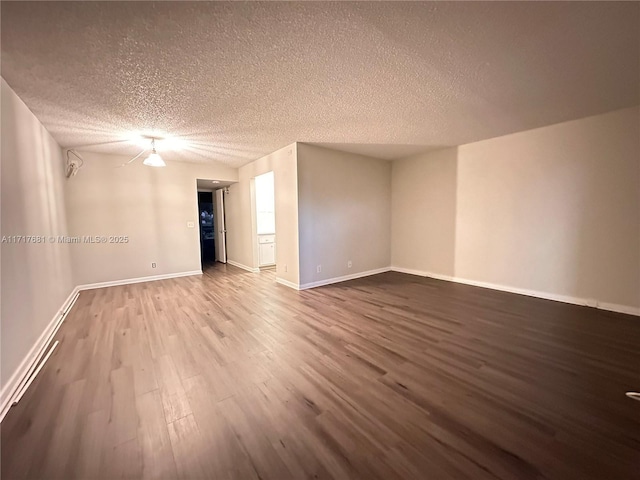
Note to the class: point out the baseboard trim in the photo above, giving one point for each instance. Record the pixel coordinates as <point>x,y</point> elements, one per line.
<point>244,267</point>
<point>18,378</point>
<point>422,273</point>
<point>128,281</point>
<point>612,307</point>
<point>343,278</point>
<point>287,283</point>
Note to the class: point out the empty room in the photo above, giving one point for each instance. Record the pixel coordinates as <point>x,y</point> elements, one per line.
<point>324,240</point>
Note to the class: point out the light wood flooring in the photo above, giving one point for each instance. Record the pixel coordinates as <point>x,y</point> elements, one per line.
<point>232,376</point>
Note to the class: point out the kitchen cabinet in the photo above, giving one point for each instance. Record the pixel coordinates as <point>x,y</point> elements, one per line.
<point>267,250</point>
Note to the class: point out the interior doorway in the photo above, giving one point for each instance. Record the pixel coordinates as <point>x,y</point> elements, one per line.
<point>265,214</point>
<point>211,221</point>
<point>206,221</point>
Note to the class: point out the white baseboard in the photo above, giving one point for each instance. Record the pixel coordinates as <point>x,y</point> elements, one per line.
<point>287,283</point>
<point>344,278</point>
<point>422,273</point>
<point>614,307</point>
<point>242,266</point>
<point>127,281</point>
<point>9,389</point>
<point>523,291</point>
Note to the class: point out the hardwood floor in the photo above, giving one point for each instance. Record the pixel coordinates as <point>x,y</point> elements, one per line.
<point>231,376</point>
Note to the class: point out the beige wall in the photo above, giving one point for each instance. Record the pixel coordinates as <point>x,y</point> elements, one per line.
<point>423,226</point>
<point>553,210</point>
<point>149,205</point>
<point>345,213</point>
<point>36,278</point>
<point>240,215</point>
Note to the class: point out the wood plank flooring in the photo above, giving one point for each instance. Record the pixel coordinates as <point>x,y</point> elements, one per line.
<point>232,376</point>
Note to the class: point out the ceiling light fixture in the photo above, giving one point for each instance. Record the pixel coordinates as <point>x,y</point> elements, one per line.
<point>154,160</point>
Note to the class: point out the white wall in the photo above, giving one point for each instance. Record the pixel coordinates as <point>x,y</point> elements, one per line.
<point>345,213</point>
<point>149,205</point>
<point>240,214</point>
<point>36,278</point>
<point>554,210</point>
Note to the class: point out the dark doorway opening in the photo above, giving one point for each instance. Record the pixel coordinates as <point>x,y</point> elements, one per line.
<point>207,230</point>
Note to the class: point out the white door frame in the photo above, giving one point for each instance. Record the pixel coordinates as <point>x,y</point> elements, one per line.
<point>221,228</point>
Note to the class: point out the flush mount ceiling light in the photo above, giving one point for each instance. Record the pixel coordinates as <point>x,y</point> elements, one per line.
<point>154,160</point>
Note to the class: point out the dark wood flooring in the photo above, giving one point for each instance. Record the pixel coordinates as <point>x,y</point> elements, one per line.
<point>231,376</point>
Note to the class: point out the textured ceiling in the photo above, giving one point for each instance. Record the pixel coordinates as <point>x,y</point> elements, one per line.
<point>207,185</point>
<point>238,80</point>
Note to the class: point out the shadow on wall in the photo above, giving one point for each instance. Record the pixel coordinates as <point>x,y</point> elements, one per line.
<point>344,214</point>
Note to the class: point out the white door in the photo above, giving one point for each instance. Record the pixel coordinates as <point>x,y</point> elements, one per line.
<point>221,232</point>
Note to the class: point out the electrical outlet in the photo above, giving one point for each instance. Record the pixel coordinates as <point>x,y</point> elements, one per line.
<point>190,225</point>
<point>319,269</point>
<point>349,264</point>
<point>153,265</point>
<point>285,268</point>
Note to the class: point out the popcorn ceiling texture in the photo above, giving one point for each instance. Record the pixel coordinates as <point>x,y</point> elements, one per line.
<point>239,80</point>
